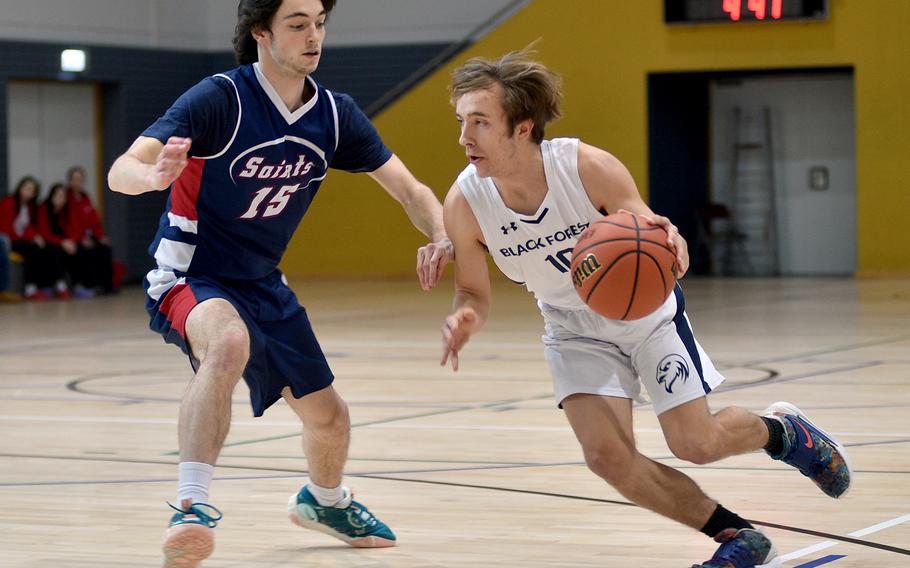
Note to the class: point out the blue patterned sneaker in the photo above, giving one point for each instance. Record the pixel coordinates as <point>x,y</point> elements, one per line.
<point>809,449</point>
<point>347,520</point>
<point>189,538</point>
<point>742,548</point>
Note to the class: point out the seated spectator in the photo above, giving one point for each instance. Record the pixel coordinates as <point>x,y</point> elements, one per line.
<point>43,267</point>
<point>92,241</point>
<point>6,295</point>
<point>57,226</point>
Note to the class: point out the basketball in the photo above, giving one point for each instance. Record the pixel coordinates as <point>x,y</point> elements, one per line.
<point>622,267</point>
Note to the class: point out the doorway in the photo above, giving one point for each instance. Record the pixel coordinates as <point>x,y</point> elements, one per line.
<point>53,126</point>
<point>757,169</point>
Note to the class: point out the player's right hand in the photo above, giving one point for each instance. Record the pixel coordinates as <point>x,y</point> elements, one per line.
<point>456,331</point>
<point>169,164</point>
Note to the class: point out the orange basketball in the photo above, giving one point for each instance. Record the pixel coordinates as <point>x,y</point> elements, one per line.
<point>622,267</point>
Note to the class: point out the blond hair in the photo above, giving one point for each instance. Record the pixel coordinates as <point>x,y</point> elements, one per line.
<point>530,91</point>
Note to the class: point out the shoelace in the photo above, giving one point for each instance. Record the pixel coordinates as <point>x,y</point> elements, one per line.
<point>360,517</point>
<point>735,551</point>
<point>201,511</point>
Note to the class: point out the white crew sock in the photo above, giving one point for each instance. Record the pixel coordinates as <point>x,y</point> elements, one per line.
<point>326,496</point>
<point>194,479</point>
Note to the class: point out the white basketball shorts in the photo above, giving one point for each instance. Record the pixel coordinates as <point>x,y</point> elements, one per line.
<point>590,354</point>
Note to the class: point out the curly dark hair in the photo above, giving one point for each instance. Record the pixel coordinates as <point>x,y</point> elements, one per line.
<point>252,14</point>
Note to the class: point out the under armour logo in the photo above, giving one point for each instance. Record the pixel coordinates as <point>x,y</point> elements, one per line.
<point>510,227</point>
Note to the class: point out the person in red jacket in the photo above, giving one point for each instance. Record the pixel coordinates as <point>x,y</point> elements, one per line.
<point>94,247</point>
<point>18,221</point>
<point>59,227</point>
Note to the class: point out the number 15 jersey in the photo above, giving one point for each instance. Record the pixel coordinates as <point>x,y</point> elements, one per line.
<point>536,250</point>
<point>253,171</point>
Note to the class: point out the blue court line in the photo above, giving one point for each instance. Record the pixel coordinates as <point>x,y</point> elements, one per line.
<point>820,561</point>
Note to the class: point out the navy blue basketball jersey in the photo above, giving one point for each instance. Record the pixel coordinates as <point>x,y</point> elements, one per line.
<point>253,171</point>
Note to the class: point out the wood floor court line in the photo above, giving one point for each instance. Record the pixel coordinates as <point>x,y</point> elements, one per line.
<point>88,416</point>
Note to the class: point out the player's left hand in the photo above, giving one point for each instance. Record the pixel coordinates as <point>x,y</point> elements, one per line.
<point>431,260</point>
<point>674,240</point>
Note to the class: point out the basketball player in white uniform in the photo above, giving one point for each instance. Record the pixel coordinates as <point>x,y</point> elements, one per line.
<point>525,201</point>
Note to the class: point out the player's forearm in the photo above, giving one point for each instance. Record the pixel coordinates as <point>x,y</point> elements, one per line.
<point>480,304</point>
<point>129,175</point>
<point>425,212</point>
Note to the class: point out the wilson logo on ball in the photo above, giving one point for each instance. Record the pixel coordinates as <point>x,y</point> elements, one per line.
<point>585,269</point>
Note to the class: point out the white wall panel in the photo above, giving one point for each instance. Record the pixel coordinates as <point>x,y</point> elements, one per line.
<point>105,22</point>
<point>209,24</point>
<point>51,127</point>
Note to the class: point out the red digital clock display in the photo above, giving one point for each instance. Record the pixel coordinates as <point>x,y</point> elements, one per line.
<point>719,11</point>
<point>758,7</point>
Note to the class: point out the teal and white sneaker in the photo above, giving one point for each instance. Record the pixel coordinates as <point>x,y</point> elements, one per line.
<point>189,538</point>
<point>347,520</point>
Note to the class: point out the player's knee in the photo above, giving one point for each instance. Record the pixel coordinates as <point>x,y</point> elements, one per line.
<point>341,418</point>
<point>698,450</point>
<point>334,419</point>
<point>229,350</point>
<point>610,465</point>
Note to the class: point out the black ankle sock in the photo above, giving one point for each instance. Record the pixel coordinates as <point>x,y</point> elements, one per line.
<point>775,443</point>
<point>723,519</point>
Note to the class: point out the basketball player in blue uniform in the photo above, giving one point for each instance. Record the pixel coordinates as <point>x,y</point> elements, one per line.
<point>525,201</point>
<point>243,153</point>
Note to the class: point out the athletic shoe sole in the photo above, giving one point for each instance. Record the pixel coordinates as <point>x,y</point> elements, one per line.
<point>356,542</point>
<point>186,545</point>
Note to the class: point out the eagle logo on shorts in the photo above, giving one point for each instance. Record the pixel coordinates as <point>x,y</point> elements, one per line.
<point>670,369</point>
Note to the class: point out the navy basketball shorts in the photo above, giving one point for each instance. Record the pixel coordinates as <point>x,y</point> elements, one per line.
<point>590,354</point>
<point>284,351</point>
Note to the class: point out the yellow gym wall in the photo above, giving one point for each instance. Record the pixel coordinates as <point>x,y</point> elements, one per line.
<point>605,50</point>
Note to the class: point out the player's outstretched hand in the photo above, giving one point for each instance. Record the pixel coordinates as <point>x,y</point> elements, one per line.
<point>674,240</point>
<point>456,331</point>
<point>431,260</point>
<point>170,163</point>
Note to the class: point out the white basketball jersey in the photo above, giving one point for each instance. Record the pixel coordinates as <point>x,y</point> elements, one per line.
<point>536,250</point>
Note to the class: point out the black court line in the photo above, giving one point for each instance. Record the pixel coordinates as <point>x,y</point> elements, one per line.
<point>788,378</point>
<point>392,460</point>
<point>384,477</point>
<point>772,378</point>
<point>485,467</point>
<point>752,365</point>
<point>54,344</point>
<point>76,386</point>
<point>395,419</point>
<point>142,481</point>
<point>879,443</point>
<point>800,530</point>
<point>827,351</point>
